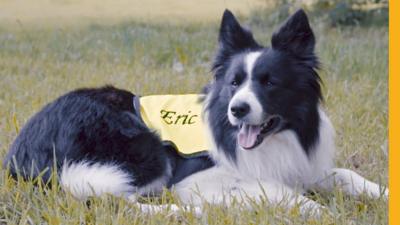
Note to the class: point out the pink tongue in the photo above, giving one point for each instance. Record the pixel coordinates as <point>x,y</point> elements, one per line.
<point>247,136</point>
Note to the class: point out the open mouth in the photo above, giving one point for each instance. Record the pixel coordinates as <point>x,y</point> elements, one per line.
<point>250,136</point>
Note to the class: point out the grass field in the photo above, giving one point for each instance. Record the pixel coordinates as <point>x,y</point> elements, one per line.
<point>41,60</point>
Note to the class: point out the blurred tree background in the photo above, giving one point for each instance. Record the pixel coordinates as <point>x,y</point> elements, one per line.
<point>332,12</point>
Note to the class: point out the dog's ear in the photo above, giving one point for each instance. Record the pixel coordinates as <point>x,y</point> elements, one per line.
<point>295,35</point>
<point>232,36</point>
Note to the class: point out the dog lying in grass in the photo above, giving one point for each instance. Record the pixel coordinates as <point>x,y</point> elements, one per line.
<point>270,137</point>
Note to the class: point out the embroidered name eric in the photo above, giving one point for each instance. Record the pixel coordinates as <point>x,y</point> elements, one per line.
<point>172,117</point>
<point>177,119</point>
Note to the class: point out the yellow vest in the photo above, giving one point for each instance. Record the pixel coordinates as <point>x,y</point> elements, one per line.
<point>178,119</point>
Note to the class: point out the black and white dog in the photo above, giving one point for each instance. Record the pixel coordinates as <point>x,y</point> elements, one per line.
<point>271,138</point>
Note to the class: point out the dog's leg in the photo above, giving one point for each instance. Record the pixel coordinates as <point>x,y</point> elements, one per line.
<point>351,183</point>
<point>276,194</point>
<point>173,208</point>
<point>154,208</point>
<point>218,186</point>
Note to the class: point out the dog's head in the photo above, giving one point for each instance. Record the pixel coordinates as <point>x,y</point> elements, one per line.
<point>259,91</point>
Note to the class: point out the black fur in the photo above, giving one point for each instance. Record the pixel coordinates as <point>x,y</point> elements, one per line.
<point>98,126</point>
<point>232,39</point>
<point>284,79</point>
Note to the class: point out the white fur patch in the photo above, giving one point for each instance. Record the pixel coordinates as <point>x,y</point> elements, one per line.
<point>246,95</point>
<point>84,179</point>
<point>352,183</point>
<point>324,152</point>
<point>281,158</point>
<point>250,60</point>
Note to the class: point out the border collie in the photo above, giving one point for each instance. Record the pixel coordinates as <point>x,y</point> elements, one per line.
<point>271,137</point>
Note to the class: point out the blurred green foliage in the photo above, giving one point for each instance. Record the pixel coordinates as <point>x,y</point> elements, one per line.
<point>332,12</point>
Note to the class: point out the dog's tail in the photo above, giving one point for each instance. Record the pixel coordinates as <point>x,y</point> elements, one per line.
<point>84,179</point>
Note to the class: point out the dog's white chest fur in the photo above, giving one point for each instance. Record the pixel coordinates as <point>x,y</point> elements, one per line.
<point>281,158</point>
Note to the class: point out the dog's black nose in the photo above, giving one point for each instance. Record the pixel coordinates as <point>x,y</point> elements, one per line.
<point>240,110</point>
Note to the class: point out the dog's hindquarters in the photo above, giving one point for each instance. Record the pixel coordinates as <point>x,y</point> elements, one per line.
<point>96,143</point>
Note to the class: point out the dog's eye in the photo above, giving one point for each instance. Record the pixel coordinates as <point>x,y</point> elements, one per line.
<point>266,82</point>
<point>235,83</point>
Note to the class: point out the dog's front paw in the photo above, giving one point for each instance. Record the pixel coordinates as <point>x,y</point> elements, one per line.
<point>384,192</point>
<point>374,190</point>
<point>310,207</point>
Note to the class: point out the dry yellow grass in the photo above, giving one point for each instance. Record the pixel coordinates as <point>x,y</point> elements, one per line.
<point>74,12</point>
<point>39,61</point>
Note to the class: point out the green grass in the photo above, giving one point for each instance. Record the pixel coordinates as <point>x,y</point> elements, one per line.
<point>39,64</point>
